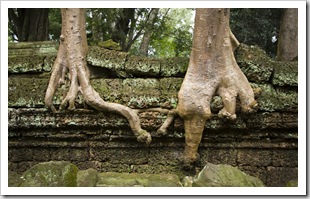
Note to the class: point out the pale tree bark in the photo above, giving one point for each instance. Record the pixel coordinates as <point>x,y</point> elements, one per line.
<point>212,70</point>
<point>288,35</point>
<point>148,32</point>
<point>71,58</point>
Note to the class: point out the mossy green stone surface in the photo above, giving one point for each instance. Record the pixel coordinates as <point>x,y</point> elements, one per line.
<point>113,179</point>
<point>14,179</point>
<point>109,59</point>
<point>254,63</point>
<point>292,183</point>
<point>110,44</point>
<point>87,178</point>
<point>173,67</point>
<point>31,56</point>
<point>225,176</point>
<point>51,174</point>
<point>285,73</point>
<point>141,66</point>
<point>276,98</point>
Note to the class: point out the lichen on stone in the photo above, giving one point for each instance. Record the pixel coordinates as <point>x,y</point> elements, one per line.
<point>285,73</point>
<point>50,174</point>
<point>276,98</point>
<point>254,63</point>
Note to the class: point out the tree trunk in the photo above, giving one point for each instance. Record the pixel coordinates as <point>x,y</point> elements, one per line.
<point>288,36</point>
<point>30,24</point>
<point>148,32</point>
<point>71,57</point>
<point>212,70</point>
<point>122,28</point>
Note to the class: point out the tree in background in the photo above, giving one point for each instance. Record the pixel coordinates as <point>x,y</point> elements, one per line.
<point>288,36</point>
<point>172,35</point>
<point>144,47</point>
<point>257,26</point>
<point>29,24</point>
<point>169,34</point>
<point>71,58</point>
<point>123,25</point>
<point>54,18</point>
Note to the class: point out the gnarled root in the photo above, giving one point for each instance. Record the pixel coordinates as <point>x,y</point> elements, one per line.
<point>72,56</point>
<point>194,127</point>
<point>170,117</point>
<point>93,99</point>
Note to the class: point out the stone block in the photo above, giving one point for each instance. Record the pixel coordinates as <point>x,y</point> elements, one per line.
<point>29,154</point>
<point>285,158</point>
<point>254,63</point>
<point>285,73</point>
<point>87,178</point>
<point>165,156</point>
<point>173,67</point>
<point>219,156</point>
<point>112,60</point>
<point>259,172</point>
<point>112,179</point>
<point>276,99</point>
<point>280,176</point>
<point>50,174</point>
<point>223,175</point>
<point>69,154</point>
<point>254,157</point>
<point>138,66</point>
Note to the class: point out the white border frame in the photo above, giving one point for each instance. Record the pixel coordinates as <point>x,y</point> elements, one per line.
<point>300,190</point>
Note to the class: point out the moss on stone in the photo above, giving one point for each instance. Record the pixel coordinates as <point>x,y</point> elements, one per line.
<point>224,176</point>
<point>142,66</point>
<point>24,64</point>
<point>113,179</point>
<point>110,44</point>
<point>285,73</point>
<point>292,183</point>
<point>254,63</point>
<point>169,88</point>
<point>276,98</point>
<point>14,179</point>
<point>50,174</point>
<point>87,178</point>
<point>173,67</point>
<point>109,89</point>
<point>33,48</point>
<point>109,59</point>
<point>31,56</point>
<point>141,93</point>
<point>26,92</point>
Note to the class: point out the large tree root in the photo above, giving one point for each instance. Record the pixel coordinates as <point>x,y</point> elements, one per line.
<point>212,70</point>
<point>71,58</point>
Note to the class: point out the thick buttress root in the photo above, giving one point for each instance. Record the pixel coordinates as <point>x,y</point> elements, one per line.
<point>194,127</point>
<point>212,70</point>
<point>71,58</point>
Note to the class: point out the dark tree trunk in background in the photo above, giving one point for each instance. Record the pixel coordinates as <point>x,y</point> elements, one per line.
<point>29,24</point>
<point>121,28</point>
<point>148,32</point>
<point>125,31</point>
<point>288,36</point>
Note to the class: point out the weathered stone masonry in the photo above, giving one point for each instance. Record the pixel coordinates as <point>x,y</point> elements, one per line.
<point>263,144</point>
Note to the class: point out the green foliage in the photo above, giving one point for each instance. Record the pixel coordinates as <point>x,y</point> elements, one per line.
<point>172,30</point>
<point>256,26</point>
<point>172,33</point>
<point>54,18</point>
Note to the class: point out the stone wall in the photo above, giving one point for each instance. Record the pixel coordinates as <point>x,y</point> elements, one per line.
<point>263,144</point>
